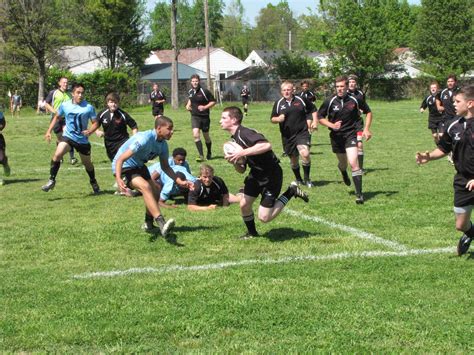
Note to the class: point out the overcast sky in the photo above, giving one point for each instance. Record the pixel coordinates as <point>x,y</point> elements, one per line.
<point>252,7</point>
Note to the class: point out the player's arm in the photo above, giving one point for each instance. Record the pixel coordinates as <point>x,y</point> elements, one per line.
<point>423,158</point>
<point>188,105</point>
<point>325,122</point>
<point>118,169</point>
<point>206,107</point>
<point>423,105</point>
<point>276,117</point>
<point>95,125</point>
<point>47,136</point>
<point>195,208</point>
<point>165,167</point>
<point>439,105</point>
<point>367,134</point>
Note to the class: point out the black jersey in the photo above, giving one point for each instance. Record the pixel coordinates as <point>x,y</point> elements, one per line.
<point>208,195</point>
<point>200,97</point>
<point>358,94</point>
<point>154,96</point>
<point>430,103</point>
<point>345,109</point>
<point>245,93</point>
<point>262,165</point>
<point>295,112</point>
<point>459,139</point>
<point>447,100</point>
<point>115,125</point>
<point>307,95</point>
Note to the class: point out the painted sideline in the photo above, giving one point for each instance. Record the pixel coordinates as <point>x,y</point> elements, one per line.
<point>353,231</point>
<point>285,260</point>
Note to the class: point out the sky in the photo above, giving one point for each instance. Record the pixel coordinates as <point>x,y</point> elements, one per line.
<point>252,7</point>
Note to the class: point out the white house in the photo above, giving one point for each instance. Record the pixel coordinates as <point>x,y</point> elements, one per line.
<point>222,64</point>
<point>82,59</point>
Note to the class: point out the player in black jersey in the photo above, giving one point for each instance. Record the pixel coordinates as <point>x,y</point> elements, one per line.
<point>446,103</point>
<point>354,90</point>
<point>3,155</point>
<point>244,95</point>
<point>459,139</point>
<point>265,177</point>
<point>210,191</point>
<point>435,119</point>
<point>308,95</point>
<point>341,114</point>
<point>157,99</point>
<point>290,112</point>
<point>199,102</point>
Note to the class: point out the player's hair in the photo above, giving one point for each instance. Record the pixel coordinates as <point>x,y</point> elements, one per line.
<point>62,77</point>
<point>467,91</point>
<point>161,121</point>
<point>77,85</point>
<point>352,77</point>
<point>304,82</point>
<point>286,82</point>
<point>341,78</point>
<point>180,175</point>
<point>112,96</point>
<point>452,76</point>
<point>179,151</point>
<point>206,168</point>
<point>434,82</point>
<point>155,84</point>
<point>195,76</point>
<point>234,112</point>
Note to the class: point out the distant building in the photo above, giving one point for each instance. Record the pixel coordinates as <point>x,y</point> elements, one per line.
<point>82,59</point>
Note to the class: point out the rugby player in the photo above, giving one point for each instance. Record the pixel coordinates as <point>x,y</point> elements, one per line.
<point>435,119</point>
<point>157,99</point>
<point>244,94</point>
<point>446,103</point>
<point>3,147</point>
<point>308,95</point>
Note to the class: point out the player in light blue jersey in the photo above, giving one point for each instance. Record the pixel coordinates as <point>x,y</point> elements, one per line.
<point>179,158</point>
<point>168,188</point>
<point>130,170</point>
<point>77,114</point>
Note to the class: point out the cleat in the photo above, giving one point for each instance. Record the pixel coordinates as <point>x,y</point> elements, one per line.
<point>297,192</point>
<point>297,182</point>
<point>95,188</point>
<point>166,227</point>
<point>346,179</point>
<point>149,227</point>
<point>200,159</point>
<point>249,235</point>
<point>308,183</point>
<point>49,185</point>
<point>463,245</point>
<point>6,170</point>
<point>360,199</point>
<point>209,156</point>
<point>73,161</point>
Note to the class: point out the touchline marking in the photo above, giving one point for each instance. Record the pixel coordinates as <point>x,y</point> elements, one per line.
<point>354,231</point>
<point>286,260</point>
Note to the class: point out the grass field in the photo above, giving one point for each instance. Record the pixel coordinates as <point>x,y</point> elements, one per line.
<point>78,274</point>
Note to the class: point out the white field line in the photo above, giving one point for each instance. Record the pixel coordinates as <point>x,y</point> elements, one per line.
<point>285,260</point>
<point>353,231</point>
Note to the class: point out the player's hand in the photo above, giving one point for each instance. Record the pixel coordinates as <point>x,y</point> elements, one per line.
<point>281,118</point>
<point>86,132</point>
<point>188,107</point>
<point>470,185</point>
<point>366,134</point>
<point>120,184</point>
<point>47,137</point>
<point>422,110</point>
<point>201,107</point>
<point>212,207</point>
<point>422,158</point>
<point>185,184</point>
<point>99,133</point>
<point>314,126</point>
<point>234,157</point>
<point>337,126</point>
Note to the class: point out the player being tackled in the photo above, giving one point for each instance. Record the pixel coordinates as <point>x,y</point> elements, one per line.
<point>265,177</point>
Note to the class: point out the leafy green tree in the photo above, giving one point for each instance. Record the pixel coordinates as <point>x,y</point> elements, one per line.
<point>236,32</point>
<point>314,32</point>
<point>274,24</point>
<point>444,36</point>
<point>295,65</point>
<point>33,34</point>
<point>401,19</point>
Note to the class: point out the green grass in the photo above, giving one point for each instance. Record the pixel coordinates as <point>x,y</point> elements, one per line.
<point>418,303</point>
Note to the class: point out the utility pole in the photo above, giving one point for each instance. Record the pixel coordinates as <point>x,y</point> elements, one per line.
<point>289,40</point>
<point>208,55</point>
<point>174,64</point>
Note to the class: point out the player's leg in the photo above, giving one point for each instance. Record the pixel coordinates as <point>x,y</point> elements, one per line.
<point>295,166</point>
<point>360,150</point>
<point>251,192</point>
<point>305,156</point>
<point>352,157</point>
<point>342,166</point>
<point>85,155</point>
<point>271,206</point>
<point>464,224</point>
<point>235,198</point>
<point>3,156</point>
<point>61,149</point>
<point>198,143</point>
<point>206,125</point>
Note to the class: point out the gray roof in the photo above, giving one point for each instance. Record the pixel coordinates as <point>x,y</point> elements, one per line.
<point>163,72</point>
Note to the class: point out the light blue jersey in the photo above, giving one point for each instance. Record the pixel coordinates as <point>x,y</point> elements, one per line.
<point>144,146</point>
<point>185,164</point>
<point>77,118</point>
<point>169,187</point>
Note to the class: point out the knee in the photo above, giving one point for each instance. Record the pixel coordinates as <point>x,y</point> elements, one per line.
<point>264,218</point>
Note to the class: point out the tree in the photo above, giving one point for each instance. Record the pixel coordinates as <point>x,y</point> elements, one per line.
<point>33,34</point>
<point>236,32</point>
<point>359,37</point>
<point>116,26</point>
<point>314,32</point>
<point>294,65</point>
<point>274,24</point>
<point>444,36</point>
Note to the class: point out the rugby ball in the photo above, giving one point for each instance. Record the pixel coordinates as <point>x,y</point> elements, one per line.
<point>232,147</point>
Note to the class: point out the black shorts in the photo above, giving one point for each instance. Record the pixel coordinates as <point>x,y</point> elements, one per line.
<point>462,196</point>
<point>58,126</point>
<point>201,122</point>
<point>436,125</point>
<point>290,144</point>
<point>156,111</point>
<point>245,100</point>
<point>84,149</point>
<point>269,187</point>
<point>341,141</point>
<point>3,145</point>
<point>128,174</point>
<point>112,148</point>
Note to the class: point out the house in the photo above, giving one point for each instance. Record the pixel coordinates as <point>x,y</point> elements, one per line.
<point>222,64</point>
<point>404,65</point>
<point>162,72</point>
<point>265,58</point>
<point>82,59</point>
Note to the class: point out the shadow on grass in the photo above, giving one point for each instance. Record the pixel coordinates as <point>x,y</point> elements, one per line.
<point>371,170</point>
<point>283,234</point>
<point>316,153</point>
<point>19,181</point>
<point>170,239</point>
<point>324,182</point>
<point>371,194</point>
